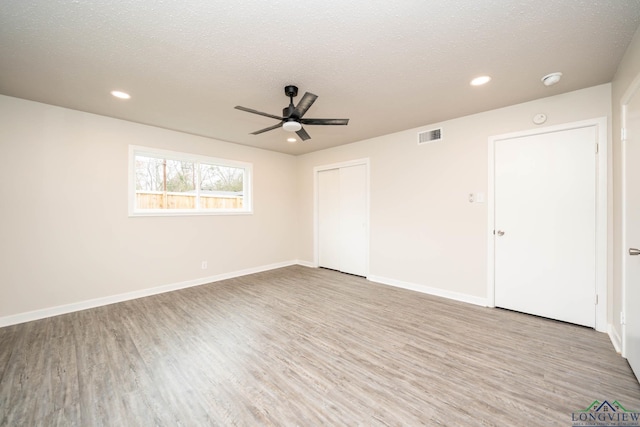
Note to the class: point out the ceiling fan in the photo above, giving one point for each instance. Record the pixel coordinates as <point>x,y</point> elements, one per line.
<point>292,119</point>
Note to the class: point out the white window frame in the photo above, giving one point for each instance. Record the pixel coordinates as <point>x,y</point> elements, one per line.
<point>247,194</point>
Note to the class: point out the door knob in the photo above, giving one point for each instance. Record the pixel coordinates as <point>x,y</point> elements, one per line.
<point>634,251</point>
<point>500,233</point>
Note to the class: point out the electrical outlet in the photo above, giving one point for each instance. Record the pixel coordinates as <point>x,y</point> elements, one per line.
<point>204,265</point>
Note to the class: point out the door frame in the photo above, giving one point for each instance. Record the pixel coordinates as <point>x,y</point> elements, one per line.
<point>631,91</point>
<point>602,210</point>
<point>316,239</point>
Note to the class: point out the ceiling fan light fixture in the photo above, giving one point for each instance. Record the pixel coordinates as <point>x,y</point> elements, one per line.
<point>291,126</point>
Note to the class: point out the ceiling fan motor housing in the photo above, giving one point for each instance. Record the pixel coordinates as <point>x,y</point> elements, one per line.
<point>287,111</point>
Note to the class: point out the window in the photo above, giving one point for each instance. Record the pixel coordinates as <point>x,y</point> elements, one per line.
<point>170,183</point>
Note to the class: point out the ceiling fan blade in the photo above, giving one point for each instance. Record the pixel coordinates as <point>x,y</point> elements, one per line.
<point>267,129</point>
<point>303,134</point>
<point>251,110</point>
<point>307,101</point>
<point>324,121</point>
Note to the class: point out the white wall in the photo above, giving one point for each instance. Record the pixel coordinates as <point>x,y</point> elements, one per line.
<point>423,230</point>
<point>65,236</point>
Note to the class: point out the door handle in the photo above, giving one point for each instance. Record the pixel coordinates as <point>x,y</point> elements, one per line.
<point>500,233</point>
<point>634,251</point>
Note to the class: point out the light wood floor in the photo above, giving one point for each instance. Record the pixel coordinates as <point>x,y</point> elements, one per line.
<point>307,347</point>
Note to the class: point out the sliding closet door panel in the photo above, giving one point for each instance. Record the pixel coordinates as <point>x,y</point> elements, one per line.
<point>353,219</point>
<point>329,244</point>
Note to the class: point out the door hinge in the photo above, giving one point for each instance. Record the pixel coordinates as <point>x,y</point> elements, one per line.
<point>622,319</point>
<point>596,299</point>
<point>597,146</point>
<point>623,134</point>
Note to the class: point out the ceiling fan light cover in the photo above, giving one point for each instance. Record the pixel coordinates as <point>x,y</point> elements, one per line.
<point>291,126</point>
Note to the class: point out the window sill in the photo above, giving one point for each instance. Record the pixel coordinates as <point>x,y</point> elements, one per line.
<point>185,213</point>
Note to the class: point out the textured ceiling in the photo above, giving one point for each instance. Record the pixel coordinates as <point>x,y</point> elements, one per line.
<point>386,65</point>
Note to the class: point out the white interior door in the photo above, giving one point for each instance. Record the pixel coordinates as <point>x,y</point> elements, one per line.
<point>342,219</point>
<point>631,262</point>
<point>545,224</point>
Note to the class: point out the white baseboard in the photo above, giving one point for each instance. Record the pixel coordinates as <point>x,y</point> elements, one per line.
<point>431,291</point>
<point>98,302</point>
<point>615,338</point>
<point>305,263</point>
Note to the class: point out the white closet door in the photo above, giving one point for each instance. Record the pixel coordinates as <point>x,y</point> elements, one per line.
<point>342,219</point>
<point>353,219</point>
<point>330,245</point>
<point>545,219</point>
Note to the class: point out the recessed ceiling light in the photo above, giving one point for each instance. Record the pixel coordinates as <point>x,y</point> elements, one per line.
<point>120,94</point>
<point>479,81</point>
<point>291,140</point>
<point>551,79</point>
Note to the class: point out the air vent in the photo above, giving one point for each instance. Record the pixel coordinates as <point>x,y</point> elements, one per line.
<point>429,136</point>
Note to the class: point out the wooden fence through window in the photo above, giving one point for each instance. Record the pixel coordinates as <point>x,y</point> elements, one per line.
<point>161,200</point>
